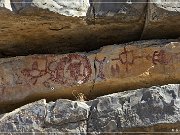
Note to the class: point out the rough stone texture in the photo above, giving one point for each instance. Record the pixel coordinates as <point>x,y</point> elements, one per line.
<point>154,109</point>
<point>34,29</point>
<point>139,108</point>
<point>111,69</point>
<point>162,19</point>
<point>115,10</point>
<point>64,7</point>
<point>29,118</point>
<point>59,116</point>
<point>136,65</point>
<point>85,25</point>
<point>25,79</point>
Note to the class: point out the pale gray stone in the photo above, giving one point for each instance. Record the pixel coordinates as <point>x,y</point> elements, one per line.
<point>111,113</point>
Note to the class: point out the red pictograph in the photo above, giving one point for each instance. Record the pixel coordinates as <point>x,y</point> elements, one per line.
<point>101,72</point>
<point>67,70</point>
<point>160,57</point>
<point>70,69</point>
<point>126,58</point>
<point>115,70</point>
<point>56,72</point>
<point>75,70</point>
<point>34,72</point>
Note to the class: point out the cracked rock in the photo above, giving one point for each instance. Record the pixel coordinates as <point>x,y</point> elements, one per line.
<point>83,76</point>
<point>151,109</point>
<point>59,116</point>
<point>162,20</point>
<point>129,110</point>
<point>62,26</point>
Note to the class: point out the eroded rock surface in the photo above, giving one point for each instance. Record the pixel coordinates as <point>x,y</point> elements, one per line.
<point>162,19</point>
<point>64,7</point>
<point>42,117</point>
<point>138,108</point>
<point>141,110</point>
<point>111,69</point>
<point>34,29</point>
<point>39,27</point>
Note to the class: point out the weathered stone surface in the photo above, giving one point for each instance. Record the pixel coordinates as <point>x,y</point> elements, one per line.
<point>33,29</point>
<point>122,11</point>
<point>64,7</point>
<point>39,76</point>
<point>111,69</point>
<point>134,109</point>
<point>28,118</point>
<point>136,65</point>
<point>154,109</point>
<point>5,4</point>
<point>40,27</point>
<point>162,19</point>
<point>59,116</point>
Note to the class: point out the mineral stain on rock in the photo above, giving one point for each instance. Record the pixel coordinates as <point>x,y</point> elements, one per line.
<point>111,69</point>
<point>44,30</point>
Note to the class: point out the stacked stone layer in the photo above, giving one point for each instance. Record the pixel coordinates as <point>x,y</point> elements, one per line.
<point>61,26</point>
<point>110,69</point>
<point>154,109</point>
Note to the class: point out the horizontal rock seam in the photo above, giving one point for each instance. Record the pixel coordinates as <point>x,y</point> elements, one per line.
<point>88,75</point>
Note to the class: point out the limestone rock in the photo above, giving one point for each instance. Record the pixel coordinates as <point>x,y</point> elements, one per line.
<point>64,7</point>
<point>129,110</point>
<point>48,27</point>
<point>6,4</point>
<point>28,118</point>
<point>38,31</point>
<point>154,109</point>
<point>162,20</point>
<point>122,11</point>
<point>25,79</point>
<point>59,116</point>
<point>70,116</point>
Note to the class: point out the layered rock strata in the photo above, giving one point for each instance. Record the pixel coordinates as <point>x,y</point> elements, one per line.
<point>162,19</point>
<point>110,69</point>
<point>154,109</point>
<point>62,26</point>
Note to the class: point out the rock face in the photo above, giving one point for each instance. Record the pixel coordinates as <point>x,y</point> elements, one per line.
<point>45,29</point>
<point>39,27</point>
<point>6,4</point>
<point>138,108</point>
<point>64,7</point>
<point>122,11</point>
<point>159,19</point>
<point>41,117</point>
<point>111,69</point>
<point>141,110</point>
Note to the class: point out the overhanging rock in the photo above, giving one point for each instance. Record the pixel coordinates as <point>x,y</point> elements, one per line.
<point>56,26</point>
<point>162,19</point>
<point>66,29</point>
<point>111,69</point>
